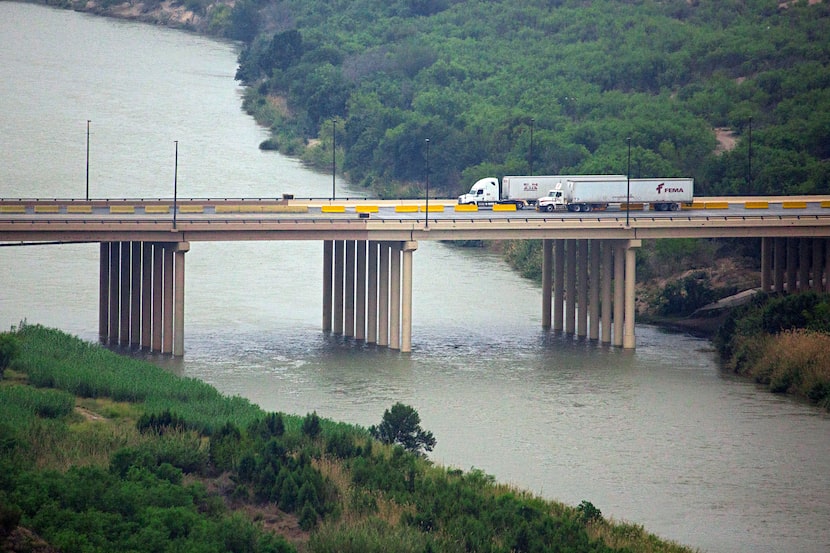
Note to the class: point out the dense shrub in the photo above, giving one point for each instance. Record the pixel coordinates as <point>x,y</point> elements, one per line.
<point>781,342</point>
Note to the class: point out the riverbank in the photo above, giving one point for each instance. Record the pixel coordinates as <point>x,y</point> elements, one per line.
<point>166,460</point>
<point>167,13</point>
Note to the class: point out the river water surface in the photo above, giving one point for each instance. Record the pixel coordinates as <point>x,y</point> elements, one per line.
<point>658,436</point>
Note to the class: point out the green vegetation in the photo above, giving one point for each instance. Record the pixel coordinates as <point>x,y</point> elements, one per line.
<point>479,79</point>
<point>782,342</point>
<point>174,466</point>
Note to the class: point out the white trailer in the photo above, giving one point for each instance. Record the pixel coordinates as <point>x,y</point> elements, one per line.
<point>587,195</point>
<point>520,191</point>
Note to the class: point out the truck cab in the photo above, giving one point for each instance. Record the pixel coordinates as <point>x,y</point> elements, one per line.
<point>553,201</point>
<point>483,192</point>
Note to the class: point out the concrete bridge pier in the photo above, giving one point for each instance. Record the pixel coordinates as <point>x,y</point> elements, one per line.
<point>141,295</point>
<point>795,264</point>
<point>367,291</point>
<point>585,272</point>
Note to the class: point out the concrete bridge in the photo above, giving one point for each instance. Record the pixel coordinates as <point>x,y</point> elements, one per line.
<point>368,246</point>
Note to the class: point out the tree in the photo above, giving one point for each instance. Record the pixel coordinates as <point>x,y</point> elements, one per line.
<point>402,425</point>
<point>9,349</point>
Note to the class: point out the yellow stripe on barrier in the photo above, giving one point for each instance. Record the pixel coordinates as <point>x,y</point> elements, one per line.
<point>157,209</point>
<point>122,209</point>
<point>192,209</point>
<point>825,203</point>
<point>794,205</point>
<point>12,209</point>
<point>633,207</point>
<point>47,209</point>
<point>504,207</point>
<point>466,207</point>
<point>716,205</point>
<point>79,209</point>
<point>406,208</point>
<point>693,205</point>
<point>756,205</point>
<point>366,208</point>
<point>227,209</point>
<point>333,209</point>
<point>434,208</point>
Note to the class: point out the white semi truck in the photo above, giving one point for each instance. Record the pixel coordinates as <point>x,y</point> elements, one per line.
<point>588,194</point>
<point>519,191</point>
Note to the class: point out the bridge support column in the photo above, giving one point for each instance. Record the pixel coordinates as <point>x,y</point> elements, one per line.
<point>629,339</point>
<point>146,295</point>
<point>360,292</point>
<point>547,277</point>
<point>558,284</point>
<point>328,268</point>
<point>792,265</point>
<point>570,286</point>
<point>605,292</point>
<point>406,296</point>
<point>619,293</point>
<point>779,262</point>
<point>339,260</point>
<point>158,295</point>
<point>125,266</point>
<point>395,296</point>
<point>372,294</point>
<point>804,251</point>
<point>817,285</point>
<point>167,303</point>
<point>593,299</point>
<point>348,323</point>
<point>135,294</point>
<point>582,288</point>
<point>383,296</point>
<point>114,293</point>
<point>104,291</point>
<point>766,263</point>
<point>181,248</point>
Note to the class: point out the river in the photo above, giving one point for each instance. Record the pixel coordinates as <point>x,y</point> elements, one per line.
<point>658,436</point>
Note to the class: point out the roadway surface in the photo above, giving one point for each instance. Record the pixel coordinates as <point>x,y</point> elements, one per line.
<point>217,219</point>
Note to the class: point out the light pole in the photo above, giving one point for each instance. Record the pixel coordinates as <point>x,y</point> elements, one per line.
<point>87,159</point>
<point>426,208</point>
<point>531,147</point>
<point>175,182</point>
<point>749,168</point>
<point>333,154</point>
<point>628,183</point>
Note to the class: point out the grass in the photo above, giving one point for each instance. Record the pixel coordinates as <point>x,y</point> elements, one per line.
<point>795,362</point>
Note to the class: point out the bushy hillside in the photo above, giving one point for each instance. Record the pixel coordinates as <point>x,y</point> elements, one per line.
<point>548,86</point>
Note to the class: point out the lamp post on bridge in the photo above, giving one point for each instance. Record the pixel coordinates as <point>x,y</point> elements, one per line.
<point>426,208</point>
<point>87,159</point>
<point>175,182</point>
<point>628,183</point>
<point>333,154</point>
<point>749,161</point>
<point>531,146</point>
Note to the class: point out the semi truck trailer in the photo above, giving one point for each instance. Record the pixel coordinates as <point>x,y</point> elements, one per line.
<point>519,191</point>
<point>589,194</point>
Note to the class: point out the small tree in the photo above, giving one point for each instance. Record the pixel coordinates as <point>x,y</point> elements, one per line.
<point>402,425</point>
<point>9,349</point>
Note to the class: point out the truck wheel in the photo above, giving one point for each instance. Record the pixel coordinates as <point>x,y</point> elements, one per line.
<point>587,207</point>
<point>675,207</point>
<point>577,207</point>
<point>549,208</point>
